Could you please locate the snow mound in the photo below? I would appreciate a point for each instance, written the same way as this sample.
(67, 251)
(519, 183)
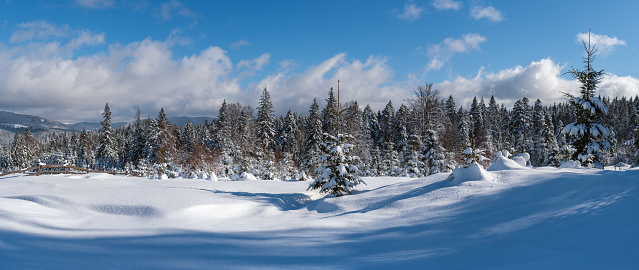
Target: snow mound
(502, 163)
(522, 159)
(474, 172)
(570, 164)
(243, 177)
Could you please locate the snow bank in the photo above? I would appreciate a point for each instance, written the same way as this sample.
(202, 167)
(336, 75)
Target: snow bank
(245, 176)
(570, 164)
(474, 172)
(570, 219)
(503, 163)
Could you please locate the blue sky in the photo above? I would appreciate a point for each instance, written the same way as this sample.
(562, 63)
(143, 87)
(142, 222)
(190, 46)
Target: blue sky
(64, 59)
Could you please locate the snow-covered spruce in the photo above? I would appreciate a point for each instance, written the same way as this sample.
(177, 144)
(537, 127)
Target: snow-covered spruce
(589, 138)
(338, 173)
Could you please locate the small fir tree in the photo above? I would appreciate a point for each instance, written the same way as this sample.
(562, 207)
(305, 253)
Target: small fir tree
(589, 138)
(338, 175)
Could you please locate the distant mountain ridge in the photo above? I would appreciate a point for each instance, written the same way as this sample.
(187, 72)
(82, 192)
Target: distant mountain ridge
(15, 122)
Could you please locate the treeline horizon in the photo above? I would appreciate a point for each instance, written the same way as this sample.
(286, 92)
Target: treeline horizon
(425, 134)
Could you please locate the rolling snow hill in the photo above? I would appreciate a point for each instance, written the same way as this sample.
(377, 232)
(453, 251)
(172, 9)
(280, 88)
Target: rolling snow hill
(514, 218)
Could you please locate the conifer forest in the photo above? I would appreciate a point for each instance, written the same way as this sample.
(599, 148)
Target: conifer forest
(423, 135)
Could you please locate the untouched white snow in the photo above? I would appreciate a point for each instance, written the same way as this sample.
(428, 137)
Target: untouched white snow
(542, 218)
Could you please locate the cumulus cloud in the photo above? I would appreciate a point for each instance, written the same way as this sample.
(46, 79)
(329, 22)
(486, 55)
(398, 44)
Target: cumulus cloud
(141, 74)
(441, 53)
(94, 3)
(490, 13)
(447, 4)
(411, 12)
(605, 44)
(368, 82)
(541, 79)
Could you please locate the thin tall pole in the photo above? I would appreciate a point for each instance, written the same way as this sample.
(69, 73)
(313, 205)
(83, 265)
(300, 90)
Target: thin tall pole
(338, 107)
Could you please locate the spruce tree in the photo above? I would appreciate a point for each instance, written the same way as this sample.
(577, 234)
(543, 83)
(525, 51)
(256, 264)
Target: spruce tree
(329, 114)
(338, 175)
(588, 136)
(265, 125)
(634, 142)
(434, 159)
(106, 154)
(520, 126)
(313, 139)
(164, 140)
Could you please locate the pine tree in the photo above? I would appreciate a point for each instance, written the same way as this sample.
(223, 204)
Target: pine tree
(413, 156)
(338, 175)
(463, 129)
(520, 126)
(634, 142)
(313, 138)
(265, 124)
(164, 140)
(19, 155)
(588, 137)
(538, 153)
(552, 152)
(137, 143)
(390, 165)
(386, 123)
(434, 159)
(329, 114)
(106, 154)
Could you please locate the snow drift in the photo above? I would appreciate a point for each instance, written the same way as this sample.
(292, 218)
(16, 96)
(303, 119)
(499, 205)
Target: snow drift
(543, 218)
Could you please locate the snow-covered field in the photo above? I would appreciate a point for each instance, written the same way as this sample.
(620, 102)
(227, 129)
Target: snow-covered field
(515, 219)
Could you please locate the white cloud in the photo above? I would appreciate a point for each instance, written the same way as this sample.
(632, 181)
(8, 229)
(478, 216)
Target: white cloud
(249, 67)
(447, 4)
(540, 79)
(87, 38)
(37, 30)
(141, 74)
(167, 10)
(95, 3)
(615, 86)
(368, 82)
(411, 12)
(239, 44)
(605, 44)
(441, 53)
(490, 13)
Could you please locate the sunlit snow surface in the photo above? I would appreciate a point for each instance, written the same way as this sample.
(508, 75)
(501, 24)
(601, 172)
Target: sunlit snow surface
(515, 219)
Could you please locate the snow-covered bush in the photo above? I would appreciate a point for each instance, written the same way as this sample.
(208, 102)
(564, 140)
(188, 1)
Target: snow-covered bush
(338, 173)
(473, 156)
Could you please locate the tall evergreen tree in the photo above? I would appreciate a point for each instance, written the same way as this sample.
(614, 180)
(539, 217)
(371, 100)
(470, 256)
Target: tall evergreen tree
(106, 154)
(329, 114)
(164, 139)
(265, 124)
(313, 138)
(588, 136)
(520, 126)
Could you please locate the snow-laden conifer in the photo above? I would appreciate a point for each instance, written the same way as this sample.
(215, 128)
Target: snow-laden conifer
(313, 139)
(106, 155)
(338, 173)
(587, 135)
